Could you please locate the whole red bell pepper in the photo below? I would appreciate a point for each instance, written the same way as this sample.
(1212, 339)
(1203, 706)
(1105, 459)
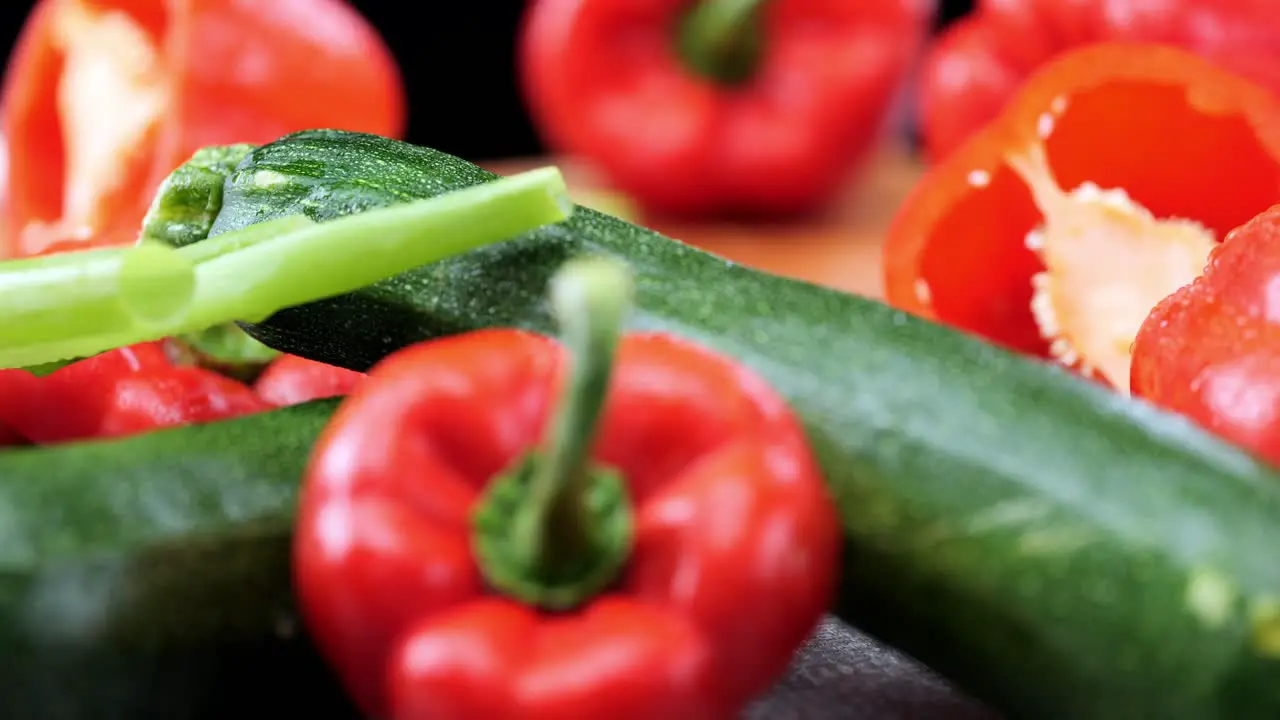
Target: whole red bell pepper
(656, 553)
(291, 380)
(120, 392)
(1100, 190)
(103, 98)
(755, 106)
(11, 438)
(978, 63)
(1211, 350)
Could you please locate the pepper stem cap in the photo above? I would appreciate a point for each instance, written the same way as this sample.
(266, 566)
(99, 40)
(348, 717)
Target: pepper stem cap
(558, 528)
(723, 40)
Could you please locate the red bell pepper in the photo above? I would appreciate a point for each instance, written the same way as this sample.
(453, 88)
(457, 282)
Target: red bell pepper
(103, 98)
(10, 438)
(1162, 154)
(1211, 350)
(978, 63)
(178, 396)
(719, 105)
(291, 380)
(657, 554)
(120, 392)
(70, 402)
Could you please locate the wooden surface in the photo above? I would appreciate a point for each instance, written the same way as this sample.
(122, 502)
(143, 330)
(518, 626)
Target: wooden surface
(841, 248)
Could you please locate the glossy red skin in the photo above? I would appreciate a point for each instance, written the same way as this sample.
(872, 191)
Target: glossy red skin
(734, 563)
(978, 63)
(120, 392)
(1211, 351)
(1181, 136)
(291, 380)
(304, 54)
(11, 438)
(182, 395)
(70, 402)
(603, 81)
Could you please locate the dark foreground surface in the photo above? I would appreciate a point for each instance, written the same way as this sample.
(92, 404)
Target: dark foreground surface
(845, 675)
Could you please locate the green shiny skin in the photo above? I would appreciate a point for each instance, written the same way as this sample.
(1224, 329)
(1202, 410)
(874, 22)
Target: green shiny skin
(148, 578)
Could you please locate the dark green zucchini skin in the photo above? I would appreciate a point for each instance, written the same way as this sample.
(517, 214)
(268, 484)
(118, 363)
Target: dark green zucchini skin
(1053, 548)
(148, 578)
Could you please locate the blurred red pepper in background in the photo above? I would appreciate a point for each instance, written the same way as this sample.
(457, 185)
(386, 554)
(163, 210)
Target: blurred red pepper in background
(1100, 189)
(103, 98)
(719, 105)
(291, 380)
(70, 402)
(979, 62)
(120, 392)
(180, 395)
(1212, 349)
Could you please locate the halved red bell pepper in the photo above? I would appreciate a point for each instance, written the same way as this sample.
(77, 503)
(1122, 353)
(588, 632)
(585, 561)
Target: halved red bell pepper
(1162, 154)
(719, 105)
(103, 98)
(659, 552)
(1211, 350)
(291, 380)
(978, 63)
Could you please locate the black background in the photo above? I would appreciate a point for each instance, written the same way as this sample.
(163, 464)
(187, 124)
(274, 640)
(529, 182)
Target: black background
(457, 61)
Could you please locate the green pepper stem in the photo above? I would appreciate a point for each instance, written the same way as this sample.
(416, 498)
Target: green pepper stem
(225, 348)
(723, 39)
(590, 299)
(251, 273)
(558, 529)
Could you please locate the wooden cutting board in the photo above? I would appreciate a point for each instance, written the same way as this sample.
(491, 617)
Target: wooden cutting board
(840, 248)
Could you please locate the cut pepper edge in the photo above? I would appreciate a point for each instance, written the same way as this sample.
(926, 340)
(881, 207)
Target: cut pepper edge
(1209, 87)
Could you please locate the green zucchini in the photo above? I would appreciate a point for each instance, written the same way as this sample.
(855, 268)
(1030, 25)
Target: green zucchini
(148, 578)
(1051, 547)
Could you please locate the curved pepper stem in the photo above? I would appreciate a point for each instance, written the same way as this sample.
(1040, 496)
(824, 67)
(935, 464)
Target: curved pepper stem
(558, 529)
(723, 39)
